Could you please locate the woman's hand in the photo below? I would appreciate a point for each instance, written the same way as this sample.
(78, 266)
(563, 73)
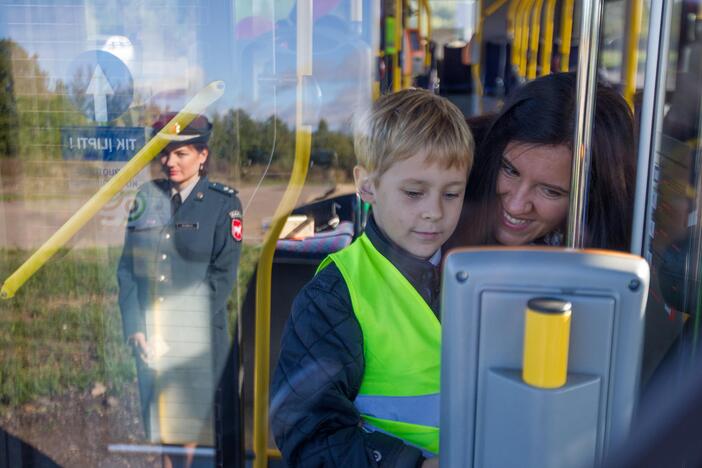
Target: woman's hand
(431, 463)
(138, 341)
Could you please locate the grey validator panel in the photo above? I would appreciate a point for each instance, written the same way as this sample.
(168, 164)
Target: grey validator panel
(489, 416)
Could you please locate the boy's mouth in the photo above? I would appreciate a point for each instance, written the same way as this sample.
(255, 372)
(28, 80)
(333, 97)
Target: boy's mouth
(427, 235)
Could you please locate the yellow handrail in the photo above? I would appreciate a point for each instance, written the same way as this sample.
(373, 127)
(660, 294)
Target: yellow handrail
(196, 106)
(478, 46)
(511, 18)
(424, 26)
(517, 35)
(524, 46)
(632, 51)
(303, 145)
(546, 54)
(566, 33)
(534, 40)
(396, 71)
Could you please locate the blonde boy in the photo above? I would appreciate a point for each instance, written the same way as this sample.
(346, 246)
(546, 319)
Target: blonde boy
(357, 383)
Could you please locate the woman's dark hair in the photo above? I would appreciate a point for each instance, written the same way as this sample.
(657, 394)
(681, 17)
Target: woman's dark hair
(542, 112)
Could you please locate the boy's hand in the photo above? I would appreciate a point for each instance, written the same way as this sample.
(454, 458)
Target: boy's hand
(431, 463)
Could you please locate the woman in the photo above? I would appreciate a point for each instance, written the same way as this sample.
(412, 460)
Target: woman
(520, 185)
(177, 269)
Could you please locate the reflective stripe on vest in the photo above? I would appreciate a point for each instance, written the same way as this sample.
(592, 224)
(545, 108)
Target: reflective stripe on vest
(421, 410)
(399, 393)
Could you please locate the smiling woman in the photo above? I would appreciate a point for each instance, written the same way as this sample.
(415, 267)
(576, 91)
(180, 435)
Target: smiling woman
(518, 191)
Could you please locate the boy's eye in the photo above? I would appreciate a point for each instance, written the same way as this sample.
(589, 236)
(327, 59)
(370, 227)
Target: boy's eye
(413, 193)
(509, 169)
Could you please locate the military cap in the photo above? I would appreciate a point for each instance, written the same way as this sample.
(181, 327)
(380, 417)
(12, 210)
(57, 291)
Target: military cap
(197, 131)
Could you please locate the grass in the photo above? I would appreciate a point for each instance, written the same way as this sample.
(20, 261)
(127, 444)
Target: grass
(63, 331)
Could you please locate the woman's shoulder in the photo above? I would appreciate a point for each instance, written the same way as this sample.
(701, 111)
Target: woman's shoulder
(221, 189)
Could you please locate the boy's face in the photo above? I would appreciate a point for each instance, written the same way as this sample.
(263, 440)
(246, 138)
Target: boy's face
(415, 204)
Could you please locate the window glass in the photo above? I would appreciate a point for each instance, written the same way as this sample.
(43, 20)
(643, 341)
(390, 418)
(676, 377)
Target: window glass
(673, 233)
(86, 84)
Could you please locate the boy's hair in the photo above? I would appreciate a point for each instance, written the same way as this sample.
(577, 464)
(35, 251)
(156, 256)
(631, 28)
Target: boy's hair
(400, 125)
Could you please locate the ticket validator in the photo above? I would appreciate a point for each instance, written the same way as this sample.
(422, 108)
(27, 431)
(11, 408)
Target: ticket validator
(541, 355)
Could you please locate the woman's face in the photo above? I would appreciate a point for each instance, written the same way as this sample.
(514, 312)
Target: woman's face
(533, 186)
(182, 164)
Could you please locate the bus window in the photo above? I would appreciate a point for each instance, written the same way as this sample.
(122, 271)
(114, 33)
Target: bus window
(85, 87)
(672, 232)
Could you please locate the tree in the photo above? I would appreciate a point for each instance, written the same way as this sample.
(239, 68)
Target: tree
(9, 121)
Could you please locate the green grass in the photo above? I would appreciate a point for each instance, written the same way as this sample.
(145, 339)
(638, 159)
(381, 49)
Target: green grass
(62, 331)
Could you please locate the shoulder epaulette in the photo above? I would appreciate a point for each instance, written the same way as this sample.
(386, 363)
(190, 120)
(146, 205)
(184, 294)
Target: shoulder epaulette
(223, 189)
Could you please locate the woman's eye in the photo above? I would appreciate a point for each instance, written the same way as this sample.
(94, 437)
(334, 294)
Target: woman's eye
(451, 195)
(550, 193)
(509, 170)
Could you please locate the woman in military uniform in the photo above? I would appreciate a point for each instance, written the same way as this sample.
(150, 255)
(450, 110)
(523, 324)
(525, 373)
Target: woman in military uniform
(177, 269)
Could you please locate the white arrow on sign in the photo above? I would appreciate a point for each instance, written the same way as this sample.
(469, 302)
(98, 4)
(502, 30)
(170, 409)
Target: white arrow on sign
(100, 88)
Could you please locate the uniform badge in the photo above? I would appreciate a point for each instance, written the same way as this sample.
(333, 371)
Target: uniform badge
(137, 207)
(237, 225)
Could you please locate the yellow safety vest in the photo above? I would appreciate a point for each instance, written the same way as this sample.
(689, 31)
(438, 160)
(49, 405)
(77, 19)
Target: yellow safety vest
(399, 394)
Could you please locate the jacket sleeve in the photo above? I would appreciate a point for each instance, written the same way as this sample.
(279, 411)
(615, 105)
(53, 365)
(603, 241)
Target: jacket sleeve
(318, 375)
(132, 317)
(225, 256)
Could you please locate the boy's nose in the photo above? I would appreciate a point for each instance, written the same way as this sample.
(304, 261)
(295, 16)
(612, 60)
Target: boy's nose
(432, 209)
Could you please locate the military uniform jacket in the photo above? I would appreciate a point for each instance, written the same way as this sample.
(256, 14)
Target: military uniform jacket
(175, 276)
(193, 251)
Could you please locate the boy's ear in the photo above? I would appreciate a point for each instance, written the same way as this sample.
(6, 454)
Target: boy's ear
(364, 184)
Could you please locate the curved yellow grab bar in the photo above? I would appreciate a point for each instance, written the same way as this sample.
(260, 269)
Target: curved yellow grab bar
(196, 106)
(303, 146)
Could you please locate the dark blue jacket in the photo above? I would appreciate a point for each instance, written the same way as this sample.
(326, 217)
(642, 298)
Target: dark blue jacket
(320, 370)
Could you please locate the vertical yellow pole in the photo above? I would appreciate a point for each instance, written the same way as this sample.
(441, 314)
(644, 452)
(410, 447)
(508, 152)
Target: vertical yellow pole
(524, 46)
(518, 32)
(478, 46)
(303, 144)
(534, 40)
(396, 71)
(546, 54)
(566, 33)
(632, 50)
(511, 19)
(428, 9)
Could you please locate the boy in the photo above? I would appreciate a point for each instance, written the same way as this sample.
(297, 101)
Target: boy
(358, 377)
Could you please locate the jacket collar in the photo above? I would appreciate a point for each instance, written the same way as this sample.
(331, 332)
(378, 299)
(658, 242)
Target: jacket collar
(422, 274)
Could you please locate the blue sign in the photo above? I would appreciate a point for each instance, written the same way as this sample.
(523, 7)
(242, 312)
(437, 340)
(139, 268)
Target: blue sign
(101, 143)
(100, 85)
